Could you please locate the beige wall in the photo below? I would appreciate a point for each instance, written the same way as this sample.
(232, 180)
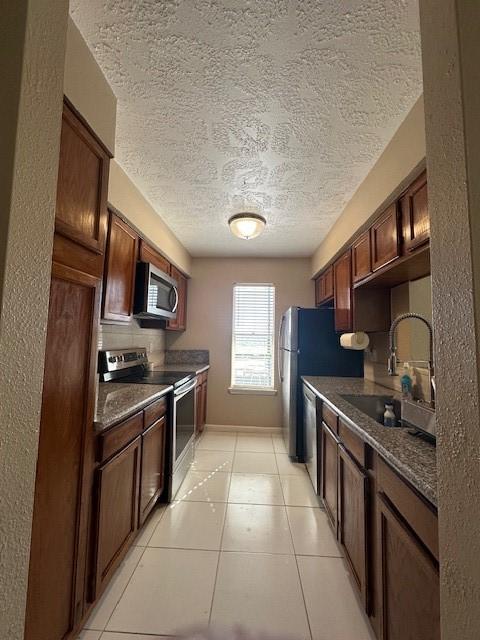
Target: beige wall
(86, 87)
(125, 196)
(30, 135)
(451, 51)
(209, 326)
(400, 159)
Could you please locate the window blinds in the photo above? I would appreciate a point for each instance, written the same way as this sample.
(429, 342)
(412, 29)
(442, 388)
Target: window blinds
(253, 335)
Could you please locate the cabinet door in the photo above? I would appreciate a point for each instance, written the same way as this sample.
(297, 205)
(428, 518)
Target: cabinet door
(198, 409)
(352, 513)
(81, 209)
(204, 402)
(153, 467)
(328, 286)
(415, 216)
(343, 293)
(329, 474)
(410, 590)
(148, 254)
(120, 267)
(117, 488)
(319, 283)
(361, 257)
(385, 238)
(179, 323)
(65, 457)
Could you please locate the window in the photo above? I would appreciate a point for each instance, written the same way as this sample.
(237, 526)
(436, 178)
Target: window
(252, 337)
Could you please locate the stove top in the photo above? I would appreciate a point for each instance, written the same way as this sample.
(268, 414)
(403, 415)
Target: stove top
(130, 365)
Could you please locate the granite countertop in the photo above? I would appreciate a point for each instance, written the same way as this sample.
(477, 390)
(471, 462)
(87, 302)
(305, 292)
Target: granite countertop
(413, 458)
(196, 367)
(118, 400)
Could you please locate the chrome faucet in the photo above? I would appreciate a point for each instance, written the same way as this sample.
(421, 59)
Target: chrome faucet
(392, 359)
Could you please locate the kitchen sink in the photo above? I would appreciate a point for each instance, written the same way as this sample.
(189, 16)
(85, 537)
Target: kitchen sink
(374, 406)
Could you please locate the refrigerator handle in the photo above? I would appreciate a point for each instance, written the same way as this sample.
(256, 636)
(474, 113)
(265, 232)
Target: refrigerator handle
(279, 349)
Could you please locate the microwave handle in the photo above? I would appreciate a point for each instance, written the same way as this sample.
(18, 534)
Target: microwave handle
(175, 291)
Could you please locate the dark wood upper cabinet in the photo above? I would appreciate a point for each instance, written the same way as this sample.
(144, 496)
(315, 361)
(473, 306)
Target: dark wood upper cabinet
(385, 238)
(319, 290)
(180, 322)
(120, 265)
(81, 210)
(116, 517)
(58, 551)
(329, 474)
(148, 254)
(328, 284)
(343, 293)
(352, 518)
(361, 257)
(415, 216)
(153, 467)
(409, 581)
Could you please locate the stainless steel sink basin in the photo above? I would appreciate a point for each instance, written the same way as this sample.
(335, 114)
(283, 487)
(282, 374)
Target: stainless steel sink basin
(374, 406)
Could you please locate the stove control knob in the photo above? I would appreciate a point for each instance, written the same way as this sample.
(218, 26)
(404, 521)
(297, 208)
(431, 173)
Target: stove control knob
(112, 359)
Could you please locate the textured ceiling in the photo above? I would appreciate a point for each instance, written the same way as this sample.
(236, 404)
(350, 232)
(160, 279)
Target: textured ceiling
(275, 106)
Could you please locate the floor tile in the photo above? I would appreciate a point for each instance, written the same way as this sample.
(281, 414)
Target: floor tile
(217, 441)
(259, 444)
(298, 492)
(260, 593)
(206, 460)
(107, 603)
(112, 635)
(89, 634)
(149, 527)
(257, 528)
(170, 590)
(288, 468)
(191, 525)
(279, 444)
(333, 610)
(311, 532)
(205, 486)
(254, 462)
(254, 488)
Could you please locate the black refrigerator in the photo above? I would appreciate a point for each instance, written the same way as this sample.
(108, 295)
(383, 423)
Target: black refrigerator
(308, 346)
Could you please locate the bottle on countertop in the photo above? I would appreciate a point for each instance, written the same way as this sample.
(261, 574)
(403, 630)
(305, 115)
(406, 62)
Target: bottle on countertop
(389, 419)
(406, 382)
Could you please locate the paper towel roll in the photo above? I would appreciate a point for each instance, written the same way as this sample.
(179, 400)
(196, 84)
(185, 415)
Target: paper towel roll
(358, 340)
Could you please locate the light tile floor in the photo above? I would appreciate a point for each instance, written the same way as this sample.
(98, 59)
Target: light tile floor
(245, 543)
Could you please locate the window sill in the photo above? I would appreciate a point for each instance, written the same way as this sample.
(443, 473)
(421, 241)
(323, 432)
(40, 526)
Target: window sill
(252, 391)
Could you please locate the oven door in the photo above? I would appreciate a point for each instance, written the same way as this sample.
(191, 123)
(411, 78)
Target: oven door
(183, 420)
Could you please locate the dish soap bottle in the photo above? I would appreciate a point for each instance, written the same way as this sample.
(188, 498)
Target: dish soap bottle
(406, 381)
(389, 419)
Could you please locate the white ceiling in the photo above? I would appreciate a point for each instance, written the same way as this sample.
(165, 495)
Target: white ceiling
(275, 106)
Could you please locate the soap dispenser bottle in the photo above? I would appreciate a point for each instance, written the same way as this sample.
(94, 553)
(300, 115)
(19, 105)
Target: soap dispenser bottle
(389, 418)
(406, 382)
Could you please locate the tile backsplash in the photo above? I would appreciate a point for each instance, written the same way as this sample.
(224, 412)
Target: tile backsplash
(112, 336)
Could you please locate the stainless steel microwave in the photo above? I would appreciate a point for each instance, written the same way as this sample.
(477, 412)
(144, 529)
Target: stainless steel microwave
(156, 293)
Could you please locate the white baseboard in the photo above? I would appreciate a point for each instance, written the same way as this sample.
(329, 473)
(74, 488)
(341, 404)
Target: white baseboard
(243, 429)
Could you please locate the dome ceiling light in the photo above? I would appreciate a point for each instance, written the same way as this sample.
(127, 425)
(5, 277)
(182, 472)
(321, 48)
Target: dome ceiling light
(247, 225)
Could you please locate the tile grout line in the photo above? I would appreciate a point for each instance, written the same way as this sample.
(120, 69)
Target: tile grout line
(298, 573)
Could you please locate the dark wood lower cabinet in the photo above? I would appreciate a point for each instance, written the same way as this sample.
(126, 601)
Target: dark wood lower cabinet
(410, 591)
(153, 467)
(329, 474)
(201, 402)
(352, 518)
(116, 521)
(65, 458)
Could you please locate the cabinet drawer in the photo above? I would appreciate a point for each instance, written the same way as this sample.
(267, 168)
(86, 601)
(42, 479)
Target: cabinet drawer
(353, 443)
(202, 377)
(420, 516)
(330, 417)
(154, 411)
(119, 436)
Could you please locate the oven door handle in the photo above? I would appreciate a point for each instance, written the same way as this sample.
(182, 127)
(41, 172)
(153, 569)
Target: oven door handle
(178, 393)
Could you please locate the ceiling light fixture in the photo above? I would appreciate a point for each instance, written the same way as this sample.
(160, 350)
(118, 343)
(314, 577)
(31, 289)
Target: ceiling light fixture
(247, 225)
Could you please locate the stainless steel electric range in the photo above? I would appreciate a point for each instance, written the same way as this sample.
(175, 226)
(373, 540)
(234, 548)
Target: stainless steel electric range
(131, 366)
